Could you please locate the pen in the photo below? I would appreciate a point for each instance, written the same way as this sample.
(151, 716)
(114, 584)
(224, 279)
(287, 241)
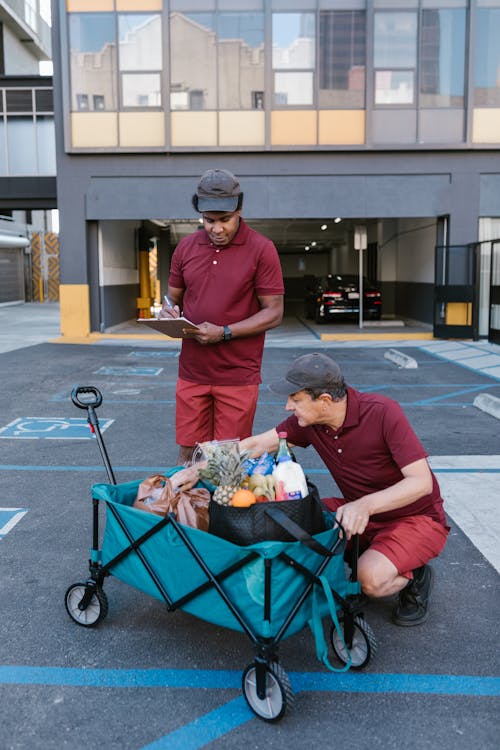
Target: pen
(169, 304)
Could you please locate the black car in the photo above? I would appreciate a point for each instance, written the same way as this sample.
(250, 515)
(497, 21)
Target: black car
(337, 295)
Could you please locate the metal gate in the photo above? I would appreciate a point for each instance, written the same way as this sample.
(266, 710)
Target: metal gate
(455, 303)
(45, 266)
(494, 319)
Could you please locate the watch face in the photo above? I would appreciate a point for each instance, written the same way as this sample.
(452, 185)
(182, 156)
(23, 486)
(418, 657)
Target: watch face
(227, 333)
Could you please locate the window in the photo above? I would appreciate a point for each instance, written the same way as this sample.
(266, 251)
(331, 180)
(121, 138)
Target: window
(31, 14)
(240, 49)
(442, 58)
(82, 102)
(141, 90)
(93, 59)
(140, 54)
(342, 59)
(293, 57)
(395, 58)
(21, 146)
(98, 101)
(193, 61)
(487, 62)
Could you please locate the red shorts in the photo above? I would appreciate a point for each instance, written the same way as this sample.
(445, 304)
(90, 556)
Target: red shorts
(213, 412)
(407, 542)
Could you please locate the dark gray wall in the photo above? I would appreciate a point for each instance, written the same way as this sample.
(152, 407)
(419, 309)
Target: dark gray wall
(414, 301)
(119, 304)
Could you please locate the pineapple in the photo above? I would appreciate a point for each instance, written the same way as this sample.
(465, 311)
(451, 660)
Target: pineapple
(224, 469)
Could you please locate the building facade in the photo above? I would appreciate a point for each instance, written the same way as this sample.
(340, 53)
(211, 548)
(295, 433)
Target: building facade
(27, 153)
(334, 114)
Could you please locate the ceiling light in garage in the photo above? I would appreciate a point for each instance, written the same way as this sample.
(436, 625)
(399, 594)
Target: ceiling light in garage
(337, 220)
(323, 227)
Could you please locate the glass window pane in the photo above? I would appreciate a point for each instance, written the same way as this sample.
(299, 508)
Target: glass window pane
(293, 89)
(395, 42)
(3, 160)
(140, 42)
(241, 60)
(293, 40)
(394, 87)
(19, 100)
(141, 90)
(487, 63)
(92, 59)
(442, 58)
(193, 61)
(21, 146)
(46, 145)
(342, 53)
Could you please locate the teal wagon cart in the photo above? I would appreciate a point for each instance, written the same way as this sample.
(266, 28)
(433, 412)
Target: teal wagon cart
(269, 590)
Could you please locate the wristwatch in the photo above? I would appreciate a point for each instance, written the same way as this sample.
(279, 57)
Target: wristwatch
(227, 334)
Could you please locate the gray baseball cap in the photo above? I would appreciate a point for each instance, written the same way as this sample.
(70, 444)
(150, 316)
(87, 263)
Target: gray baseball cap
(309, 371)
(218, 190)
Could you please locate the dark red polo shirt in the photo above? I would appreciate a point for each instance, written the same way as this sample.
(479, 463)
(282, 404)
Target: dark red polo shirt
(221, 285)
(368, 452)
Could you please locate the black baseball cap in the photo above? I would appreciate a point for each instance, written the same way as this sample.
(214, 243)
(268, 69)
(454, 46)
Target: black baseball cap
(218, 190)
(309, 371)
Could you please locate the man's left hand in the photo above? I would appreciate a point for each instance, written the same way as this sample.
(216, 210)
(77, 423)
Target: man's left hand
(208, 334)
(354, 517)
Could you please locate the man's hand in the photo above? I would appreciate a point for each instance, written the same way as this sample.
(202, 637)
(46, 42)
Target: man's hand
(353, 516)
(209, 333)
(167, 311)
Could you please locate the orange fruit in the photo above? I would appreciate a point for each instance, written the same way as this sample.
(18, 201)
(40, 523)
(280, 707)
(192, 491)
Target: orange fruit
(243, 498)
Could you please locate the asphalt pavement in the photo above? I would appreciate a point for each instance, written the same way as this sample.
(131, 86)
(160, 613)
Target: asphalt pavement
(149, 678)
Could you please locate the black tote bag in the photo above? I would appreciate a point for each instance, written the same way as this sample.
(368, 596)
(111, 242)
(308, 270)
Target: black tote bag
(244, 526)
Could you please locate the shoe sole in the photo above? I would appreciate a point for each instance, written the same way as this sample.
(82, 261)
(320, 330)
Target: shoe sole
(421, 620)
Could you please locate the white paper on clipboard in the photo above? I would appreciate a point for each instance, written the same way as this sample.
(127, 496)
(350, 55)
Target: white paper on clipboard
(177, 328)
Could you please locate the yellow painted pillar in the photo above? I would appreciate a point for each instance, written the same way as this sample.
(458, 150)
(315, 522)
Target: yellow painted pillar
(74, 308)
(145, 301)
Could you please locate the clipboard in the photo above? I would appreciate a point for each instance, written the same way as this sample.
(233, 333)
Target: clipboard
(177, 328)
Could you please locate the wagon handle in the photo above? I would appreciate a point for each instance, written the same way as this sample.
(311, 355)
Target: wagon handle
(80, 389)
(90, 404)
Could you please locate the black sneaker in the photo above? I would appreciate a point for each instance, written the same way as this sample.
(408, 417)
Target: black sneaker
(414, 599)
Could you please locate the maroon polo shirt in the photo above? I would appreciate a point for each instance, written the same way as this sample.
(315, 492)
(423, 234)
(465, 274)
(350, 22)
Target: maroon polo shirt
(221, 285)
(368, 452)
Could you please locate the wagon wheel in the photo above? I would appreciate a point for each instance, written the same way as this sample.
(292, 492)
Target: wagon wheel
(364, 643)
(95, 610)
(279, 696)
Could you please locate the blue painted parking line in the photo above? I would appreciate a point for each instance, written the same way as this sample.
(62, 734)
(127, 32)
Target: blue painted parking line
(8, 519)
(155, 469)
(153, 354)
(51, 428)
(141, 371)
(205, 729)
(63, 397)
(216, 723)
(224, 679)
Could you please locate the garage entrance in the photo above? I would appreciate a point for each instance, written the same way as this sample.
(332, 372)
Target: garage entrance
(494, 318)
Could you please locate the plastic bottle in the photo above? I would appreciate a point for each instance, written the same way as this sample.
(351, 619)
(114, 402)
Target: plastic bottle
(290, 480)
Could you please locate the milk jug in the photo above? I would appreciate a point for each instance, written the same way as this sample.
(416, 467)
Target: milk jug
(289, 478)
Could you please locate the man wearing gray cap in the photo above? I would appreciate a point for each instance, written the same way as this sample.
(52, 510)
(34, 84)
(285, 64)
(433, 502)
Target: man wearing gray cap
(227, 279)
(390, 496)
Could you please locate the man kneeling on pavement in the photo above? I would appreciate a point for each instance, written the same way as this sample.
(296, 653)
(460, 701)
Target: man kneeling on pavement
(391, 498)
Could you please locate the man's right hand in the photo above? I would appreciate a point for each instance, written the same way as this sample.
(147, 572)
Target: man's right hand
(169, 312)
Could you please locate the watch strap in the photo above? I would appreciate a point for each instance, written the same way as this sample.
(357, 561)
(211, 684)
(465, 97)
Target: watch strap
(227, 334)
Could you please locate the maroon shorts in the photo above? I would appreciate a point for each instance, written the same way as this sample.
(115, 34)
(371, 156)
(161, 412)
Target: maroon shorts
(213, 412)
(407, 542)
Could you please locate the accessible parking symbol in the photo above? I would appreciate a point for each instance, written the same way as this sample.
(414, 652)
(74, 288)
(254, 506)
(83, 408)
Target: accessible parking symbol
(51, 428)
(8, 519)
